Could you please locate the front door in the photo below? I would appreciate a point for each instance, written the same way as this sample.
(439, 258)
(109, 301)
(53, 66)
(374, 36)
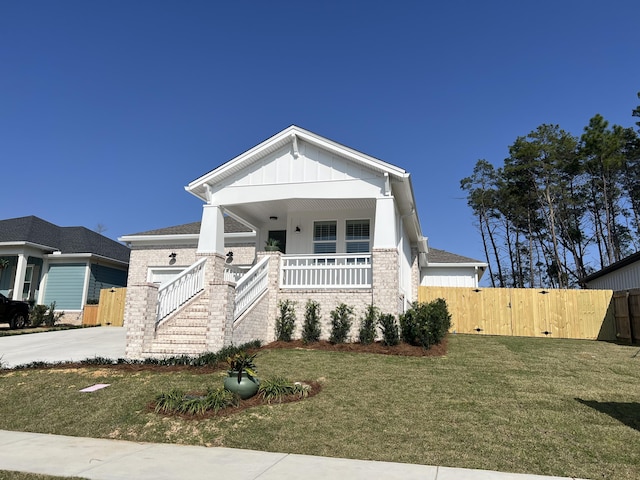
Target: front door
(281, 237)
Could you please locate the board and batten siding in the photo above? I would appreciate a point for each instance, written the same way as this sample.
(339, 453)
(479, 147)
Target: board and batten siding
(65, 285)
(103, 277)
(624, 278)
(448, 277)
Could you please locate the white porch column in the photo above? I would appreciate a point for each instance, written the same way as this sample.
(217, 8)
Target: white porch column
(211, 230)
(21, 270)
(385, 235)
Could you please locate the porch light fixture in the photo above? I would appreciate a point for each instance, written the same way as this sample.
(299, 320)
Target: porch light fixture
(230, 254)
(298, 229)
(273, 218)
(173, 255)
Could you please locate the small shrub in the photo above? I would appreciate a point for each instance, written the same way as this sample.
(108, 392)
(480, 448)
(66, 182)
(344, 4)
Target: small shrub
(389, 328)
(286, 322)
(169, 402)
(176, 401)
(51, 318)
(219, 398)
(41, 314)
(367, 331)
(37, 314)
(277, 388)
(311, 326)
(425, 324)
(341, 320)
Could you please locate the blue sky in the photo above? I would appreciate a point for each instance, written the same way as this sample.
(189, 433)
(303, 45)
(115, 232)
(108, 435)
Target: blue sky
(109, 108)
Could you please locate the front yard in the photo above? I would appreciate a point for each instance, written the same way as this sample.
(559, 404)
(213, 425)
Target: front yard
(542, 406)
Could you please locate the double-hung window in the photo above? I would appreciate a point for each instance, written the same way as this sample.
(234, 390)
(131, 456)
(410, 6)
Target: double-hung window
(324, 237)
(357, 236)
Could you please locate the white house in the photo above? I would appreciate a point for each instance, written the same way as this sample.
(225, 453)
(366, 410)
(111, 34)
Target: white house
(621, 275)
(347, 229)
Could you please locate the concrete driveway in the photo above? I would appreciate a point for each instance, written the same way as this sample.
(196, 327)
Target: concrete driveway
(62, 346)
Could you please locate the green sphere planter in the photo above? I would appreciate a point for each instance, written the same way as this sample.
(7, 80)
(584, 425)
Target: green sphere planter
(247, 387)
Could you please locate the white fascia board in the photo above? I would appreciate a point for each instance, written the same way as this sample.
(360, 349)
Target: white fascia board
(450, 265)
(240, 235)
(27, 244)
(172, 240)
(53, 257)
(284, 137)
(159, 239)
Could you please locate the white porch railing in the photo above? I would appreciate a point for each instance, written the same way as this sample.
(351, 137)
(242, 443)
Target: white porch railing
(251, 286)
(326, 271)
(233, 273)
(176, 292)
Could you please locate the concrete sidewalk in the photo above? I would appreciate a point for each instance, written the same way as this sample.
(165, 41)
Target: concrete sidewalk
(101, 459)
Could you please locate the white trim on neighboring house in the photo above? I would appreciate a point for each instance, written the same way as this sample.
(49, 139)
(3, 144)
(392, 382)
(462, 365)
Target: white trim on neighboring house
(180, 239)
(472, 271)
(149, 240)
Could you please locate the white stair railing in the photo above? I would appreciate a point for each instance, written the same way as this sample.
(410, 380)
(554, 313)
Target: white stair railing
(251, 286)
(233, 273)
(176, 292)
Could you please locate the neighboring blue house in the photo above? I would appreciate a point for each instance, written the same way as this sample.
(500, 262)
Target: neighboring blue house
(46, 263)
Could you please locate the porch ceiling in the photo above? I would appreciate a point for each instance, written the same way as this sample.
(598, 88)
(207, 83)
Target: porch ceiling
(258, 213)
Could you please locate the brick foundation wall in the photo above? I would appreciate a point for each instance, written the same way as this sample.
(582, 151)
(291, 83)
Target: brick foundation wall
(140, 318)
(253, 323)
(386, 288)
(328, 300)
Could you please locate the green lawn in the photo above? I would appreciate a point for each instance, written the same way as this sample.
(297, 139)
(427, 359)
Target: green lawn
(541, 406)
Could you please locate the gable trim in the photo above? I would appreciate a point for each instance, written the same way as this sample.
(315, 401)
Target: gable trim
(290, 135)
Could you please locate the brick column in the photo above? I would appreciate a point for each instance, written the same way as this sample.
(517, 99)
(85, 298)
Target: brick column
(221, 303)
(386, 288)
(140, 318)
(273, 288)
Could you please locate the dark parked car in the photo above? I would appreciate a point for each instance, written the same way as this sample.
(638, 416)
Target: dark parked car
(13, 312)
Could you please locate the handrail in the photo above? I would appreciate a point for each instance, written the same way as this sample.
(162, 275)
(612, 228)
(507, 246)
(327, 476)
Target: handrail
(352, 270)
(176, 292)
(251, 286)
(233, 273)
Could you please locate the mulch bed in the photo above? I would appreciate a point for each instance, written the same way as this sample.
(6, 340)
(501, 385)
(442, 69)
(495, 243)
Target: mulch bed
(404, 349)
(254, 401)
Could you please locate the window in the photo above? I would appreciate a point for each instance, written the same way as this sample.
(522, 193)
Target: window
(357, 236)
(28, 279)
(324, 237)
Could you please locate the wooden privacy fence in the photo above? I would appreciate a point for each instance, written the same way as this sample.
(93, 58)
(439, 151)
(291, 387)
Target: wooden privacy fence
(526, 312)
(110, 310)
(627, 315)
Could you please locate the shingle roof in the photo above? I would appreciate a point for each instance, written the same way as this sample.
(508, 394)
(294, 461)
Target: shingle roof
(441, 256)
(65, 239)
(231, 225)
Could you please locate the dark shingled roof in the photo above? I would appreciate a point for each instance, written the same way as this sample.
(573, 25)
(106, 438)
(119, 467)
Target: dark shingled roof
(231, 225)
(65, 239)
(440, 256)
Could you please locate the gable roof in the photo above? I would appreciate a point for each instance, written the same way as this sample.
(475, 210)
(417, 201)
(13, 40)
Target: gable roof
(290, 134)
(50, 237)
(231, 225)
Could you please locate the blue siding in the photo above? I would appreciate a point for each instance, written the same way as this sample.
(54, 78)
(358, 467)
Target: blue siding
(104, 277)
(65, 284)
